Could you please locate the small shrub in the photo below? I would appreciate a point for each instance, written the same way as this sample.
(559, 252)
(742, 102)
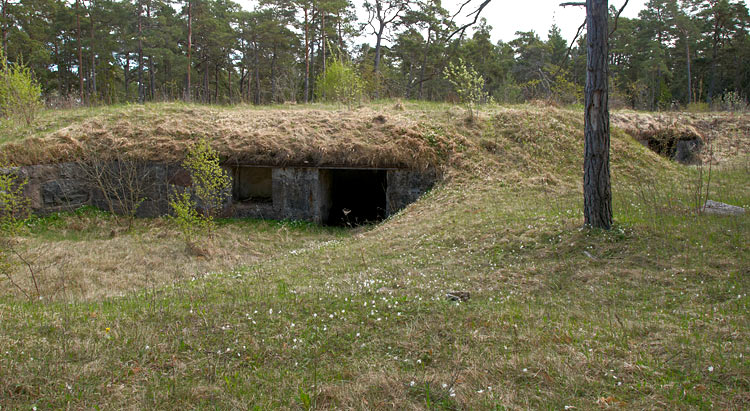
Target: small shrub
(731, 101)
(467, 83)
(340, 83)
(186, 217)
(195, 209)
(20, 94)
(14, 213)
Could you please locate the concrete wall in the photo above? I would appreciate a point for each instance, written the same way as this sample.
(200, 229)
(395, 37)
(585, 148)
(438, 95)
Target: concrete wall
(406, 186)
(298, 193)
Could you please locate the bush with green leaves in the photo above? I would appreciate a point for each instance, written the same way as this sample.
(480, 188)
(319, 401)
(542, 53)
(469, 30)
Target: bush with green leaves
(186, 217)
(467, 83)
(195, 208)
(14, 212)
(341, 83)
(20, 93)
(731, 101)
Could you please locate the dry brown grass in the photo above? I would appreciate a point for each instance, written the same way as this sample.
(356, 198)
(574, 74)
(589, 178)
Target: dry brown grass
(301, 137)
(93, 258)
(401, 134)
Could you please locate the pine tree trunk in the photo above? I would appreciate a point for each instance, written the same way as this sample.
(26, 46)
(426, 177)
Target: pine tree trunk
(80, 53)
(597, 195)
(307, 59)
(93, 54)
(273, 76)
(126, 72)
(256, 68)
(424, 62)
(689, 75)
(216, 81)
(151, 74)
(323, 39)
(141, 89)
(190, 49)
(5, 29)
(378, 41)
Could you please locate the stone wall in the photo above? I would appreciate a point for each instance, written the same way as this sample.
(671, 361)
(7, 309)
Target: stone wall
(298, 193)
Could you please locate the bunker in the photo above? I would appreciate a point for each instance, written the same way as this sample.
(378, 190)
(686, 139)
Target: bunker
(345, 196)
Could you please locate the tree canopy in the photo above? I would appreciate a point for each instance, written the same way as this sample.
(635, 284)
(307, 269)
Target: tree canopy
(110, 51)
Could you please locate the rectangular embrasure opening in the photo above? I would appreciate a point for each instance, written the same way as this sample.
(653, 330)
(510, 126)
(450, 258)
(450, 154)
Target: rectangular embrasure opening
(252, 185)
(357, 196)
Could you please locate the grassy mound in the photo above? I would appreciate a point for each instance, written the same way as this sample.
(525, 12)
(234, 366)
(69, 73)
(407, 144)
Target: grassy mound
(651, 314)
(299, 137)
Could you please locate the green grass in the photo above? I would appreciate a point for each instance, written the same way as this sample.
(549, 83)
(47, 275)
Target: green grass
(652, 314)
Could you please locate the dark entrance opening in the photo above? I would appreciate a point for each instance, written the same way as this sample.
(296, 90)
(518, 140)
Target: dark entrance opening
(357, 196)
(252, 185)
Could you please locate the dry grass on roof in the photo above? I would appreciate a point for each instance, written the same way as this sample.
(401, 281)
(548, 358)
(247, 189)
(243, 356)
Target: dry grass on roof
(382, 134)
(300, 137)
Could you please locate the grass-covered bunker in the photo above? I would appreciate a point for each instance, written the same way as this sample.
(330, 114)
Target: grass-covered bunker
(327, 167)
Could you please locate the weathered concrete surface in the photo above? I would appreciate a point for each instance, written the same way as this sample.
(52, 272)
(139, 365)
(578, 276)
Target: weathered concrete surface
(406, 186)
(296, 193)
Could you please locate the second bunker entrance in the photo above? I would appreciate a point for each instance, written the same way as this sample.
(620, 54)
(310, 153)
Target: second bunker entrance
(356, 196)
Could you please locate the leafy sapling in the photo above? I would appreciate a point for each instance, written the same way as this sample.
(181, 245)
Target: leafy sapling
(195, 208)
(467, 83)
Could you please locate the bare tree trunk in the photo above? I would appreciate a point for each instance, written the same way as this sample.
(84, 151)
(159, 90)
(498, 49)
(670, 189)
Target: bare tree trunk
(242, 82)
(80, 52)
(151, 74)
(689, 75)
(273, 75)
(125, 72)
(141, 89)
(216, 81)
(93, 53)
(313, 36)
(206, 90)
(229, 75)
(424, 62)
(323, 38)
(257, 75)
(597, 194)
(307, 58)
(378, 47)
(5, 28)
(190, 48)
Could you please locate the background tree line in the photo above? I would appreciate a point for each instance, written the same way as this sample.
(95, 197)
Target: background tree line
(212, 51)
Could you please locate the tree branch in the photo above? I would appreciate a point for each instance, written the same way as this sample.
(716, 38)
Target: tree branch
(475, 13)
(567, 53)
(573, 3)
(618, 16)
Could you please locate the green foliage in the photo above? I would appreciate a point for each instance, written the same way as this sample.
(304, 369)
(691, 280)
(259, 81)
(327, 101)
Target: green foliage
(13, 216)
(20, 93)
(187, 219)
(565, 91)
(340, 83)
(13, 203)
(467, 83)
(731, 101)
(196, 209)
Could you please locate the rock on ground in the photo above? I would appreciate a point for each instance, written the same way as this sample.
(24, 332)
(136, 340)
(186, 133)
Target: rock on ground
(715, 207)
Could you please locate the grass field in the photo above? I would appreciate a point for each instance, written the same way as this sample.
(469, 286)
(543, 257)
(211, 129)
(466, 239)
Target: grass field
(652, 314)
